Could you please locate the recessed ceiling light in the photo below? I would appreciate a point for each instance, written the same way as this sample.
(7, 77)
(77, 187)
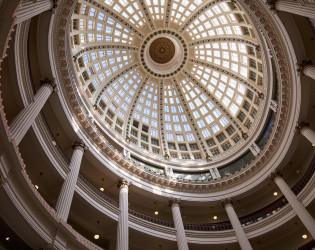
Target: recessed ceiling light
(156, 212)
(215, 217)
(275, 193)
(304, 236)
(96, 236)
(36, 186)
(7, 238)
(54, 143)
(102, 189)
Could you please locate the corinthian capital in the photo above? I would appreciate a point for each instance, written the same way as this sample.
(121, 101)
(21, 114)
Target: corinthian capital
(49, 82)
(173, 201)
(123, 183)
(299, 127)
(79, 145)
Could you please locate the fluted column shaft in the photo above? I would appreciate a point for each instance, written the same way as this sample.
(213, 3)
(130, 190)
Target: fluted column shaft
(122, 229)
(68, 187)
(295, 7)
(179, 227)
(297, 206)
(237, 227)
(309, 70)
(30, 9)
(24, 120)
(309, 134)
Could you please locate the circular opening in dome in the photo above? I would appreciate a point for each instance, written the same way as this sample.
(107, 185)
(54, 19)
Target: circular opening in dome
(162, 50)
(163, 53)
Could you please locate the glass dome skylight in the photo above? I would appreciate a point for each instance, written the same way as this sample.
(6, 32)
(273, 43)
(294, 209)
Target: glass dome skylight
(202, 102)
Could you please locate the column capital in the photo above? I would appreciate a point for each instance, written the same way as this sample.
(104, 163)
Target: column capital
(275, 174)
(79, 145)
(173, 201)
(49, 82)
(299, 127)
(123, 183)
(301, 66)
(227, 202)
(272, 5)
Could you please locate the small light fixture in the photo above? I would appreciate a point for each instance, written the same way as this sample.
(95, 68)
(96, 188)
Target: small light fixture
(166, 157)
(313, 144)
(215, 217)
(304, 236)
(7, 238)
(275, 193)
(156, 211)
(101, 188)
(37, 182)
(127, 139)
(97, 236)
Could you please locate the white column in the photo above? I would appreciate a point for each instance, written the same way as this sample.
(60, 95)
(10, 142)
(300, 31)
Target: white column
(237, 227)
(24, 120)
(215, 173)
(168, 172)
(179, 226)
(68, 187)
(294, 7)
(303, 129)
(306, 68)
(297, 206)
(122, 229)
(27, 10)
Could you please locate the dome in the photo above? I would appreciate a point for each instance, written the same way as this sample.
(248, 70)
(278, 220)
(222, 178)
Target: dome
(182, 83)
(157, 124)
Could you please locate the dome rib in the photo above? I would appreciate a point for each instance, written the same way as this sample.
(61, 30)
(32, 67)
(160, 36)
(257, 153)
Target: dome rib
(133, 105)
(112, 80)
(165, 148)
(224, 39)
(147, 14)
(190, 118)
(197, 13)
(102, 47)
(167, 13)
(215, 100)
(236, 77)
(115, 16)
